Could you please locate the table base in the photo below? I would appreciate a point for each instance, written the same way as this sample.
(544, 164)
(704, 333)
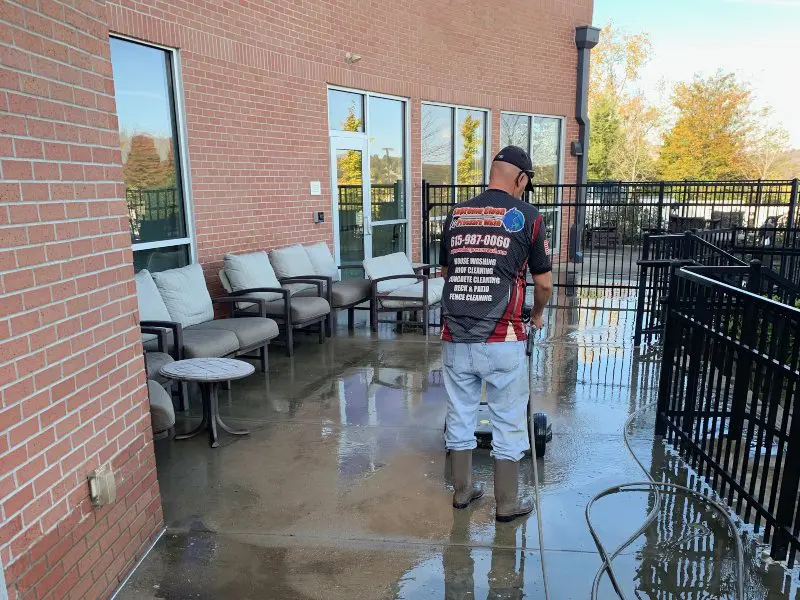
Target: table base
(211, 419)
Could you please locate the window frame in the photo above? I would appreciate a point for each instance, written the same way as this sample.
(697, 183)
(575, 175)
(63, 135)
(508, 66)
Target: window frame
(182, 142)
(561, 141)
(487, 150)
(364, 135)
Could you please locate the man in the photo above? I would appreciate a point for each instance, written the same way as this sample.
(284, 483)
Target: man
(488, 245)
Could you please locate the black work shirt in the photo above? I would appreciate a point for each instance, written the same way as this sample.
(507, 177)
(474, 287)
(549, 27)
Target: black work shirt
(488, 244)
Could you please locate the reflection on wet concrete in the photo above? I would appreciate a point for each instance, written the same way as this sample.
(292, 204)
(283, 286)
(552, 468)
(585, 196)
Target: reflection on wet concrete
(342, 488)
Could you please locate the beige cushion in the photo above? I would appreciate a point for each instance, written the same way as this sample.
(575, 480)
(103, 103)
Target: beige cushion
(185, 294)
(386, 266)
(245, 271)
(291, 261)
(322, 260)
(249, 331)
(202, 343)
(151, 305)
(350, 291)
(435, 289)
(162, 414)
(303, 308)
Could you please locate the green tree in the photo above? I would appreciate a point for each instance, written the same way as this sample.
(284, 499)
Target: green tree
(349, 163)
(469, 168)
(768, 155)
(606, 136)
(709, 138)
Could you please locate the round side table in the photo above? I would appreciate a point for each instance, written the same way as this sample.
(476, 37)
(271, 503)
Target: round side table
(209, 373)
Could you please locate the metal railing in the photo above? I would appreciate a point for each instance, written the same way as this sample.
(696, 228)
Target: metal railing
(155, 214)
(728, 387)
(597, 231)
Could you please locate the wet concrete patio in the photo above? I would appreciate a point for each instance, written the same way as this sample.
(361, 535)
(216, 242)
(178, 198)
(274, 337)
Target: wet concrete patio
(341, 490)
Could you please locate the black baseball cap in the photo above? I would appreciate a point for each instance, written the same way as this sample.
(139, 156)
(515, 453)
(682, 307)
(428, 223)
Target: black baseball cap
(519, 158)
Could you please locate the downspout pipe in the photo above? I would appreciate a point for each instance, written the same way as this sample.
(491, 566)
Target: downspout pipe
(586, 38)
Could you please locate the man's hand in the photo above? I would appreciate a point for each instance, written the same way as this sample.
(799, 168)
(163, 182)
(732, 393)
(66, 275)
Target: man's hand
(537, 322)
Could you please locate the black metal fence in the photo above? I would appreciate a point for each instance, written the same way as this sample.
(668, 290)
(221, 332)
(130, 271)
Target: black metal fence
(155, 214)
(727, 394)
(597, 231)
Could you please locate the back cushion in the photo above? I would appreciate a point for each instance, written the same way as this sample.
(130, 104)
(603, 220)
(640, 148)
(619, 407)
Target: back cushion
(245, 271)
(185, 294)
(321, 259)
(385, 266)
(291, 261)
(151, 305)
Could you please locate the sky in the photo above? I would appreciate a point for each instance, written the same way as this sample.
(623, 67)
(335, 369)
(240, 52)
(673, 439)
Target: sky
(759, 40)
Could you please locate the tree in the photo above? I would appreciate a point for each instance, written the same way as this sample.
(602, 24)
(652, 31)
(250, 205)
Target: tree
(349, 163)
(470, 171)
(709, 138)
(143, 168)
(623, 124)
(768, 148)
(606, 136)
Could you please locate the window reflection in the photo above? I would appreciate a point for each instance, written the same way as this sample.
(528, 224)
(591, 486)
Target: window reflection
(143, 87)
(546, 149)
(386, 160)
(471, 147)
(437, 144)
(515, 130)
(345, 111)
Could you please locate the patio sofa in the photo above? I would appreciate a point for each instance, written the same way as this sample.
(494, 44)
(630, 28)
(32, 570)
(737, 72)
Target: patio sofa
(295, 303)
(159, 389)
(316, 262)
(398, 286)
(178, 300)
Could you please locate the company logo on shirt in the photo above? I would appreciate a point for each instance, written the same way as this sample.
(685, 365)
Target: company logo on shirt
(489, 216)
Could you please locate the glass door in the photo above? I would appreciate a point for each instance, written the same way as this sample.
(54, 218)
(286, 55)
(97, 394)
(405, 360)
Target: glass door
(351, 190)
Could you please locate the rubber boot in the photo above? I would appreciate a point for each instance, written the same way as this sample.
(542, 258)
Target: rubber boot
(461, 467)
(506, 490)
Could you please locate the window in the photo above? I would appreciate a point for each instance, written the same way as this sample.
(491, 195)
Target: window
(541, 137)
(151, 155)
(453, 145)
(345, 111)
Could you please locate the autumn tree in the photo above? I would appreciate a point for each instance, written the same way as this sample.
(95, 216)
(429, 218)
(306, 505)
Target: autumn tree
(709, 138)
(469, 167)
(622, 122)
(349, 163)
(142, 170)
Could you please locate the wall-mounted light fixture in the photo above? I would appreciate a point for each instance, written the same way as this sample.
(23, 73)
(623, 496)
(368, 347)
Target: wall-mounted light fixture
(351, 58)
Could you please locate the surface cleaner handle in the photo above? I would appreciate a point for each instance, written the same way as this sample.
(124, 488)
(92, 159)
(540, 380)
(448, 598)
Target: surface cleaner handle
(529, 343)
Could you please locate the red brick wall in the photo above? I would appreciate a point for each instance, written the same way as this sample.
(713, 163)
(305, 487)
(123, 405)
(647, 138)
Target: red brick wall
(255, 75)
(72, 394)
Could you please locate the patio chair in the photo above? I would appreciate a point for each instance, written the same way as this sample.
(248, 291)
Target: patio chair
(315, 262)
(252, 275)
(159, 388)
(398, 286)
(177, 300)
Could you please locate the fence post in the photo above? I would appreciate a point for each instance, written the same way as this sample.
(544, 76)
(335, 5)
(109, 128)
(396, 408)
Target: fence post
(744, 360)
(686, 245)
(426, 224)
(637, 335)
(787, 496)
(661, 207)
(695, 352)
(792, 204)
(668, 353)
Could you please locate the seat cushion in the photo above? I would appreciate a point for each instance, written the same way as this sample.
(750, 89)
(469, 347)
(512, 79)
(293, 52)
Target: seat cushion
(322, 260)
(303, 308)
(151, 305)
(386, 266)
(162, 414)
(350, 291)
(153, 361)
(208, 343)
(291, 261)
(246, 271)
(185, 294)
(249, 331)
(435, 289)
